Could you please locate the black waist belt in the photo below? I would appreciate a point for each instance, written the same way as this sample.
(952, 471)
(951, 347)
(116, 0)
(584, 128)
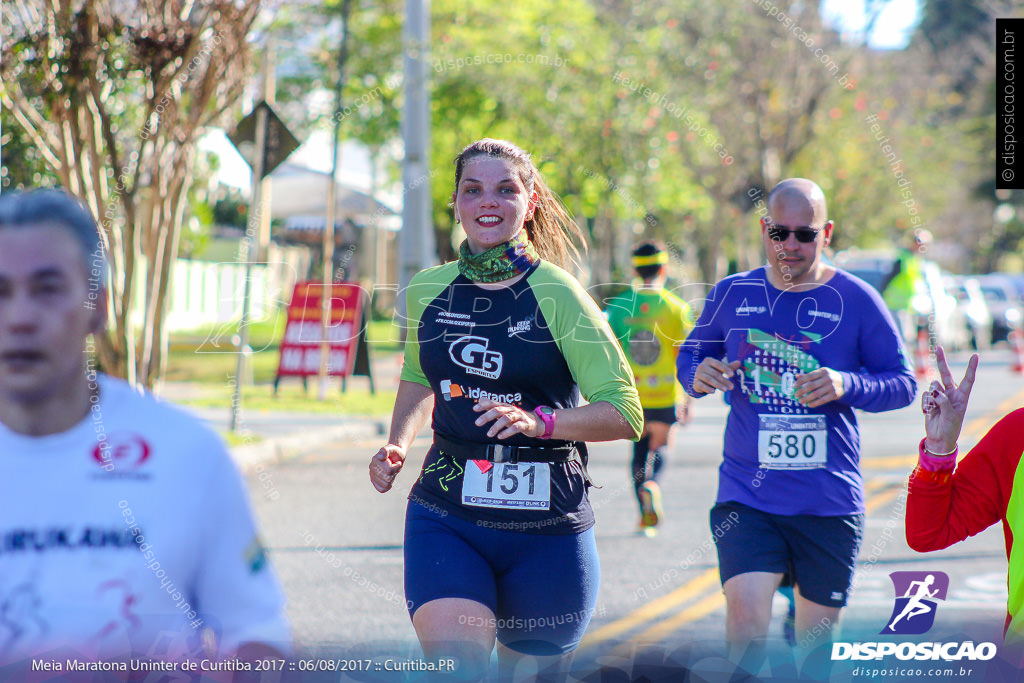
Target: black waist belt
(499, 452)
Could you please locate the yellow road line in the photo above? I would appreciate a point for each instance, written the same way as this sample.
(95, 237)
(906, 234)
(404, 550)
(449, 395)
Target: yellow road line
(651, 610)
(694, 612)
(1012, 403)
(881, 499)
(873, 484)
(708, 604)
(980, 425)
(975, 428)
(717, 599)
(889, 462)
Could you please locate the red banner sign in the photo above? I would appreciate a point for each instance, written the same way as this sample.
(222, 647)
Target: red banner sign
(300, 348)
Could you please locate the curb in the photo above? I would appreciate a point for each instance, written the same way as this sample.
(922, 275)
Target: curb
(275, 450)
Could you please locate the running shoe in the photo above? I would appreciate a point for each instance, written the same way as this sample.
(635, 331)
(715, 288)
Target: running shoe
(650, 504)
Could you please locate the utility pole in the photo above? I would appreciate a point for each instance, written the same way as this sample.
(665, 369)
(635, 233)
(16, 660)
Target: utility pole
(418, 248)
(271, 142)
(332, 198)
(270, 97)
(251, 230)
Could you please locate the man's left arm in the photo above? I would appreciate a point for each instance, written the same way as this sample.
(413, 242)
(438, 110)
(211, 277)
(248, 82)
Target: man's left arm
(885, 381)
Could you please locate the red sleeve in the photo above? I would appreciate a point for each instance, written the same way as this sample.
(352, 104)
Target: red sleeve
(943, 509)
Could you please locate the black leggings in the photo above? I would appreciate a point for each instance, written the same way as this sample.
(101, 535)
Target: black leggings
(646, 465)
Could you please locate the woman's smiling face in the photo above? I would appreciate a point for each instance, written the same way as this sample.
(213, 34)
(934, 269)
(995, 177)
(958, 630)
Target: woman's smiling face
(492, 202)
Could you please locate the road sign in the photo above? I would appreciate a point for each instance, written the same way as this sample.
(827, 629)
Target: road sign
(280, 141)
(346, 332)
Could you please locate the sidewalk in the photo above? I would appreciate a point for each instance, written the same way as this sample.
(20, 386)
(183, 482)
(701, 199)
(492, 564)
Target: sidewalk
(278, 436)
(271, 437)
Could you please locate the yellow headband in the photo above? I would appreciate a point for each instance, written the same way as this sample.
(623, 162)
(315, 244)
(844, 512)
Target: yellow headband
(659, 259)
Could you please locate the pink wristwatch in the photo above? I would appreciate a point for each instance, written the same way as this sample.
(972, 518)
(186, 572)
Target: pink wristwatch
(547, 416)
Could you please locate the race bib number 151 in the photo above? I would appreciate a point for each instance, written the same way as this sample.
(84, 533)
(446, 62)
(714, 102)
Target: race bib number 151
(525, 485)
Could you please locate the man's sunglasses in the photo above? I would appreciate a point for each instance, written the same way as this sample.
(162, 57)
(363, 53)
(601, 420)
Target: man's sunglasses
(779, 233)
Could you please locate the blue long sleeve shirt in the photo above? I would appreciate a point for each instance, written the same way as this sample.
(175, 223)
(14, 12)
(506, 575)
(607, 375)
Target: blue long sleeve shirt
(780, 456)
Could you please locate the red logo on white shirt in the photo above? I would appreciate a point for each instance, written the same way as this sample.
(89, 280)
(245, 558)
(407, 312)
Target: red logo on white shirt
(122, 451)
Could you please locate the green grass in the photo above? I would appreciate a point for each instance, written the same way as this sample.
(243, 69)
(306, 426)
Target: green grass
(263, 334)
(215, 373)
(384, 335)
(291, 398)
(232, 439)
(198, 358)
(219, 250)
(189, 364)
(205, 355)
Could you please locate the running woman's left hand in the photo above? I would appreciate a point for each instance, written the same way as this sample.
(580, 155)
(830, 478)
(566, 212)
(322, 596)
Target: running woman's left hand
(508, 419)
(819, 387)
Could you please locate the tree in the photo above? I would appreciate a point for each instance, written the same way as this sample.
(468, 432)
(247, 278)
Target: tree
(362, 40)
(531, 82)
(738, 88)
(667, 118)
(960, 100)
(558, 44)
(23, 165)
(308, 39)
(114, 95)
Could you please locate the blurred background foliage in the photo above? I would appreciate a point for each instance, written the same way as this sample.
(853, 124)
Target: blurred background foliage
(628, 107)
(623, 104)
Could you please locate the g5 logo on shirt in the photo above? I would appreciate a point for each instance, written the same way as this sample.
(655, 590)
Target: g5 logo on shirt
(471, 353)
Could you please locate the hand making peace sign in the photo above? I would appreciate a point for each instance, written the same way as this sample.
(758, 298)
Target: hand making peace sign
(945, 404)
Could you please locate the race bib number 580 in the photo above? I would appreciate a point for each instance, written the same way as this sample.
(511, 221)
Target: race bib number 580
(525, 485)
(792, 441)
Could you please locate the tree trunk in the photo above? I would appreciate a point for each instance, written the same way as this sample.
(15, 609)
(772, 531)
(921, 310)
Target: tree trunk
(110, 122)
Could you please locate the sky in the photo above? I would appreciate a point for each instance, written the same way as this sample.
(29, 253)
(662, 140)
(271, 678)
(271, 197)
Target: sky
(315, 153)
(892, 31)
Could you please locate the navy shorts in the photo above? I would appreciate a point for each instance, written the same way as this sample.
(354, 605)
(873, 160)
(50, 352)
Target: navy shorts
(541, 588)
(666, 415)
(819, 553)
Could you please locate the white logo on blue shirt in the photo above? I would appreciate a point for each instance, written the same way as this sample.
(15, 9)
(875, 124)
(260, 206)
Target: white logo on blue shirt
(472, 354)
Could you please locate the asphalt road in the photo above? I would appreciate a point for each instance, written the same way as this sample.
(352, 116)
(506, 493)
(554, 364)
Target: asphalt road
(337, 546)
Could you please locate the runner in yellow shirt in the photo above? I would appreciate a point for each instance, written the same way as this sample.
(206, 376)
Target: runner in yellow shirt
(906, 281)
(651, 323)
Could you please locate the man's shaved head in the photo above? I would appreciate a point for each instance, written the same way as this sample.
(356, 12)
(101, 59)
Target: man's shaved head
(799, 194)
(795, 232)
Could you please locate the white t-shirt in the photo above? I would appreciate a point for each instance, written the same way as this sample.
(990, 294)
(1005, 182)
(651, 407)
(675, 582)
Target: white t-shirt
(129, 534)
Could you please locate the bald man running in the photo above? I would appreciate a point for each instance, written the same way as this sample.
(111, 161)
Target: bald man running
(798, 345)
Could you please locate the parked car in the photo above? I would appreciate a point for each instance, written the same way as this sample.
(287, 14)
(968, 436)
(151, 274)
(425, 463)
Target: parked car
(1018, 282)
(974, 309)
(951, 326)
(932, 305)
(872, 267)
(1001, 296)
